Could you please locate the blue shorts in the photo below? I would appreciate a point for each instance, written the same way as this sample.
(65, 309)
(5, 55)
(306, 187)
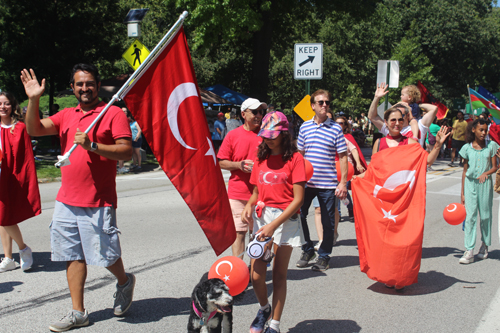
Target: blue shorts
(137, 144)
(85, 233)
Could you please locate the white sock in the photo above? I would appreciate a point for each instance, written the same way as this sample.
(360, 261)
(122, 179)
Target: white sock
(275, 325)
(265, 307)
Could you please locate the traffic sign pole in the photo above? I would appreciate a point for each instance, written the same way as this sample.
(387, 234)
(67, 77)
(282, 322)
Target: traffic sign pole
(308, 87)
(386, 105)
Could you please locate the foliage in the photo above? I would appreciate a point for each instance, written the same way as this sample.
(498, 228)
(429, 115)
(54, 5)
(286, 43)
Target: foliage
(248, 45)
(63, 102)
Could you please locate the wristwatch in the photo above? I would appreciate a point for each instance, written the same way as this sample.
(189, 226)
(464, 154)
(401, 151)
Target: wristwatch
(93, 146)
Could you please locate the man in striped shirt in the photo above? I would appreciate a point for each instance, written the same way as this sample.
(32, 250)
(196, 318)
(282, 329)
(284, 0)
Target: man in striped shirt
(319, 140)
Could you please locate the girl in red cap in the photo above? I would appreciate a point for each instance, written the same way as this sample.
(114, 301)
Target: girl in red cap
(279, 178)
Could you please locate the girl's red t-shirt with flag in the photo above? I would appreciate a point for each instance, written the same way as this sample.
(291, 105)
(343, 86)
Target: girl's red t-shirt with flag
(275, 178)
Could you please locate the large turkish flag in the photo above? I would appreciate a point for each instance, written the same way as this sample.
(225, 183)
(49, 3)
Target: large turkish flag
(166, 103)
(389, 210)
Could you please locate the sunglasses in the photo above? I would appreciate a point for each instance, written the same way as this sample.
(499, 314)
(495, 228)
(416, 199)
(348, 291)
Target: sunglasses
(320, 103)
(340, 122)
(395, 119)
(256, 112)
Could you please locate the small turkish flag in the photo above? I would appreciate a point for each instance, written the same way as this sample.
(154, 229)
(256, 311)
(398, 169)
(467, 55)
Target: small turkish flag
(389, 211)
(166, 103)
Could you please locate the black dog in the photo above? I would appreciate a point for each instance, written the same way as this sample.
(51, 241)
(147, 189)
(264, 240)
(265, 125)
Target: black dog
(211, 308)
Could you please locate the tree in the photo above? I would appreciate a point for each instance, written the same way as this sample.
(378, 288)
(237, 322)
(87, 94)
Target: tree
(52, 36)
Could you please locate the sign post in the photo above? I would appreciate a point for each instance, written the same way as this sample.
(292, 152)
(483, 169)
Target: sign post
(308, 63)
(388, 72)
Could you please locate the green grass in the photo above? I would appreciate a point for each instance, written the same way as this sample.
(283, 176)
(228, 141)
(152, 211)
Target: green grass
(64, 102)
(46, 170)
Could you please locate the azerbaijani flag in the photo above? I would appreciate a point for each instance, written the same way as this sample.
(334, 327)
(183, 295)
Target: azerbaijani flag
(478, 101)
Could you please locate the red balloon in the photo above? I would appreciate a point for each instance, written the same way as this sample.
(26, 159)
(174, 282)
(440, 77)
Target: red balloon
(309, 169)
(350, 171)
(233, 271)
(454, 213)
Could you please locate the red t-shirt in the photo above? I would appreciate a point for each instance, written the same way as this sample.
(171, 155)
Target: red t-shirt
(89, 181)
(238, 145)
(274, 179)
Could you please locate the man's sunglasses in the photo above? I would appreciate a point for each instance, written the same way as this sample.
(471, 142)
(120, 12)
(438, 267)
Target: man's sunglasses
(320, 103)
(256, 112)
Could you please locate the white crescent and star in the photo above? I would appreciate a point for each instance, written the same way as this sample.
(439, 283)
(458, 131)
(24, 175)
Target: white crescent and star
(388, 215)
(396, 179)
(178, 95)
(454, 209)
(493, 106)
(219, 264)
(264, 178)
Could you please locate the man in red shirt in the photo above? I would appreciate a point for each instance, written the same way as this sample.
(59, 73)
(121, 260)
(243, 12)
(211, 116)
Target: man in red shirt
(83, 228)
(237, 153)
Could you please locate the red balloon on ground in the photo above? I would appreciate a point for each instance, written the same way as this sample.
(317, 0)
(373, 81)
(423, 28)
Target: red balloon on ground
(233, 271)
(350, 171)
(309, 169)
(454, 213)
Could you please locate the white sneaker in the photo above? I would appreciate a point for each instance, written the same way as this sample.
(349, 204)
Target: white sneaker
(26, 258)
(7, 264)
(468, 257)
(483, 252)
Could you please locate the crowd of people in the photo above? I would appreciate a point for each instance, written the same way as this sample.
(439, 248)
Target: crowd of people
(269, 193)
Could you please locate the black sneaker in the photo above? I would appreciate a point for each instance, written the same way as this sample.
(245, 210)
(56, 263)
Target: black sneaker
(305, 258)
(260, 320)
(321, 265)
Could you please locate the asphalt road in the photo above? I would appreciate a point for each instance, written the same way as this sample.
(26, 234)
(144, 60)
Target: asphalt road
(164, 246)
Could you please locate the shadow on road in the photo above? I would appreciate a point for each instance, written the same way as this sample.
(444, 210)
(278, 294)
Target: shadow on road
(325, 326)
(147, 310)
(6, 287)
(435, 252)
(428, 283)
(42, 263)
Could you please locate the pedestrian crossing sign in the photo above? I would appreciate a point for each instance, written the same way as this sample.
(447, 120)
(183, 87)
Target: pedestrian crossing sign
(136, 54)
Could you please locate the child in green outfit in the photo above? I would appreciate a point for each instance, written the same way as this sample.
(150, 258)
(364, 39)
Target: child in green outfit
(477, 187)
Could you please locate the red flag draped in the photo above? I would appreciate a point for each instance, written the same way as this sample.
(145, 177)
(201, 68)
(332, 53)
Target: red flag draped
(20, 197)
(428, 98)
(389, 210)
(166, 103)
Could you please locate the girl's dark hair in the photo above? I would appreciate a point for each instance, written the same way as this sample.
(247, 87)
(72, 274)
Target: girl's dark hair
(16, 109)
(289, 148)
(469, 136)
(347, 125)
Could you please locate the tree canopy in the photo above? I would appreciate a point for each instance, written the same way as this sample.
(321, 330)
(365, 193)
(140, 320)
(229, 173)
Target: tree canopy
(248, 45)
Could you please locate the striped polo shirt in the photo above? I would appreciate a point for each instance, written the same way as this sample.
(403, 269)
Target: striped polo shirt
(320, 143)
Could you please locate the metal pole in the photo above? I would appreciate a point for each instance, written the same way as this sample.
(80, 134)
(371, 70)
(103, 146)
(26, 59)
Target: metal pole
(308, 87)
(386, 102)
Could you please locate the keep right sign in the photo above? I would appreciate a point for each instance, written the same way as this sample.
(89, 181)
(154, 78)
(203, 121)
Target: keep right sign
(308, 61)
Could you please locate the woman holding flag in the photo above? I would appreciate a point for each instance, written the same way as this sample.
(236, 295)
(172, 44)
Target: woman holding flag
(19, 198)
(389, 230)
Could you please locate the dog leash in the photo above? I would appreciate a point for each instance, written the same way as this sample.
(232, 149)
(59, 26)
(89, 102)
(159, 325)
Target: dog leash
(200, 315)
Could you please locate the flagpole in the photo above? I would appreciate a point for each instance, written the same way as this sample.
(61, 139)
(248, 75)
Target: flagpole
(470, 102)
(64, 160)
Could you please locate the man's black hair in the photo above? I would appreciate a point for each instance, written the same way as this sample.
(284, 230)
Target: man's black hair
(85, 68)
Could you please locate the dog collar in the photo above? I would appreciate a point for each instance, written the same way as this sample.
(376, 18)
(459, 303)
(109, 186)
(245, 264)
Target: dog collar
(200, 315)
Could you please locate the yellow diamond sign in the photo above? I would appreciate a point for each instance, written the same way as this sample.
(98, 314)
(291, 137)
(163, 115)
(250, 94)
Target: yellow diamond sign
(136, 54)
(304, 110)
